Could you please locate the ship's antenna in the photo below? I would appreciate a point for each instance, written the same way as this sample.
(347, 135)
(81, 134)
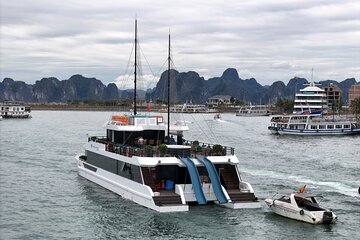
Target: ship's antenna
(135, 112)
(312, 74)
(169, 60)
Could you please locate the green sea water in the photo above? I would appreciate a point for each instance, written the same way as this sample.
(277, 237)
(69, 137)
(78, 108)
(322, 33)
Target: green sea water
(43, 197)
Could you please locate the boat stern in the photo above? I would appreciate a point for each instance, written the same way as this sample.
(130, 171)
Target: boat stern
(328, 217)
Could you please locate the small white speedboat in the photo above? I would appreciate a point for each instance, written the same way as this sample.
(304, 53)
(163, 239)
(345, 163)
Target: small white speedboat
(217, 116)
(301, 206)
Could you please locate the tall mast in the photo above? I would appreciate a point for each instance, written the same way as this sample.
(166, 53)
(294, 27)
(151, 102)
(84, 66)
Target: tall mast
(135, 67)
(169, 59)
(312, 75)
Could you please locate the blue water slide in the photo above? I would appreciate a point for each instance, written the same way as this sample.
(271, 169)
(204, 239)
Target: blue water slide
(195, 180)
(214, 177)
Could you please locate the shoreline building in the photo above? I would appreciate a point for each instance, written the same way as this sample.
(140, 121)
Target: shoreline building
(354, 92)
(333, 95)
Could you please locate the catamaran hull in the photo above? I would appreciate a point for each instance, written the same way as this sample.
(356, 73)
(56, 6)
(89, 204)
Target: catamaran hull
(245, 205)
(138, 193)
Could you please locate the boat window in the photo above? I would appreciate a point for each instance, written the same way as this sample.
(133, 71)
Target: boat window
(322, 126)
(338, 126)
(314, 200)
(330, 126)
(285, 199)
(313, 126)
(300, 201)
(346, 126)
(123, 169)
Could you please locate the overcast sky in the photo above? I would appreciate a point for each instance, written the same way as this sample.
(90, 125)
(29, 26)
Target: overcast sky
(266, 40)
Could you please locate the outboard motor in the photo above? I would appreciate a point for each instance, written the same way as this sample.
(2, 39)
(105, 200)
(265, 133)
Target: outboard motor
(327, 217)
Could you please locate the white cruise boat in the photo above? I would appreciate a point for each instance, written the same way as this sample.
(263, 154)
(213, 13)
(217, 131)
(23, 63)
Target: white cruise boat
(190, 108)
(253, 112)
(311, 98)
(137, 160)
(312, 125)
(302, 207)
(15, 111)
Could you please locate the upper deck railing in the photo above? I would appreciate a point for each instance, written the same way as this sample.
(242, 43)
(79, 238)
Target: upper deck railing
(191, 149)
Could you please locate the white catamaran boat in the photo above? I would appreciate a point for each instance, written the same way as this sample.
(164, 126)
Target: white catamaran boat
(312, 125)
(139, 162)
(302, 207)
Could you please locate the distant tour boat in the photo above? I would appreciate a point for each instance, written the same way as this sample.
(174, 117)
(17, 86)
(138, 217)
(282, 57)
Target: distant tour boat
(137, 160)
(308, 118)
(190, 108)
(253, 112)
(312, 125)
(15, 111)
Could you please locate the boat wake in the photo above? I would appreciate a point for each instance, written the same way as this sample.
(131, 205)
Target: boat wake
(330, 186)
(335, 186)
(220, 120)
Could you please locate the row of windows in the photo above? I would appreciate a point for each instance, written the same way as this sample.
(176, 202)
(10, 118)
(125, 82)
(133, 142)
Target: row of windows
(337, 126)
(12, 109)
(315, 127)
(307, 103)
(152, 137)
(120, 168)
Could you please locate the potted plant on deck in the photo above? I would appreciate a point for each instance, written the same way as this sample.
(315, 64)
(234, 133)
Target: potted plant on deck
(217, 150)
(163, 149)
(148, 151)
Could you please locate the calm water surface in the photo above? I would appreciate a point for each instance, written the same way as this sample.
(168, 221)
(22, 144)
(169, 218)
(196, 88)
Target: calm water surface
(42, 196)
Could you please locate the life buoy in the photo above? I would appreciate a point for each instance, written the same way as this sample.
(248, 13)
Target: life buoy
(301, 212)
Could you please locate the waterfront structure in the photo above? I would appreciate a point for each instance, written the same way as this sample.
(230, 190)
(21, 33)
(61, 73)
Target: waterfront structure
(311, 98)
(140, 160)
(333, 95)
(354, 92)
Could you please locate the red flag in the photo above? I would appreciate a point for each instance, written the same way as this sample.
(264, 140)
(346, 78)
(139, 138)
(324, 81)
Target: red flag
(148, 107)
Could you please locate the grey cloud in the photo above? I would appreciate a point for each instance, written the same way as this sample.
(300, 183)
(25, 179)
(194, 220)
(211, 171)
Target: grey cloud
(269, 39)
